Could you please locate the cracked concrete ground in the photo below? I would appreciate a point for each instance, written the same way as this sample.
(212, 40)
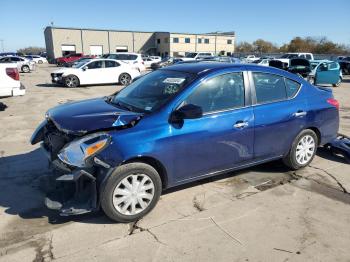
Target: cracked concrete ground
(264, 213)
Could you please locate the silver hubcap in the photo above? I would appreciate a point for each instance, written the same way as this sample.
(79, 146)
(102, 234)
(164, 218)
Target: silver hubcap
(71, 81)
(305, 149)
(125, 79)
(133, 194)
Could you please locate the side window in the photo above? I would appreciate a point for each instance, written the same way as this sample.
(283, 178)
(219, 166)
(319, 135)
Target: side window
(308, 57)
(269, 87)
(219, 93)
(292, 87)
(95, 65)
(333, 66)
(109, 63)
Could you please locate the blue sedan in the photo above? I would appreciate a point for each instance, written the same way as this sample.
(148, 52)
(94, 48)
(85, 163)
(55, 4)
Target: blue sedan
(180, 124)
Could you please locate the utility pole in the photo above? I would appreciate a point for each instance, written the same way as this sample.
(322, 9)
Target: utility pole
(2, 45)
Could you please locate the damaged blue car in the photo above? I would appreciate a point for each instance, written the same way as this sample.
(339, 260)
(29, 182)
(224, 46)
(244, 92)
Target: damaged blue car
(176, 125)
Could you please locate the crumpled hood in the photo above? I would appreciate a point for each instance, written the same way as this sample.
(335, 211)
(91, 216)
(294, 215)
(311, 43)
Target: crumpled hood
(89, 115)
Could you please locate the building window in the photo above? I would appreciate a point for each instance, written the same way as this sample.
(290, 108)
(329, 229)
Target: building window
(187, 40)
(158, 41)
(199, 40)
(229, 41)
(206, 40)
(175, 40)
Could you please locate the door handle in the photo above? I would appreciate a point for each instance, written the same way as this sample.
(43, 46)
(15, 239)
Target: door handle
(299, 113)
(240, 124)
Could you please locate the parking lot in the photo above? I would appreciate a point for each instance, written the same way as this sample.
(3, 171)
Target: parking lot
(264, 213)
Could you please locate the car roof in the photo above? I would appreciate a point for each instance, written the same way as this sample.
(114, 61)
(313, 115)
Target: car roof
(203, 67)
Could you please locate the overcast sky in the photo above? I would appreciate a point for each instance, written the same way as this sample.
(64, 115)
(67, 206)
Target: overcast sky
(22, 22)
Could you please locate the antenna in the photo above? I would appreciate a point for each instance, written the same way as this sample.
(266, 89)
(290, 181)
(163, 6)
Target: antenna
(2, 45)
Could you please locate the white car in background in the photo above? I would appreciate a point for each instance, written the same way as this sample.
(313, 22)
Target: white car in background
(95, 71)
(23, 64)
(196, 56)
(157, 59)
(148, 61)
(263, 62)
(250, 59)
(133, 59)
(36, 58)
(10, 84)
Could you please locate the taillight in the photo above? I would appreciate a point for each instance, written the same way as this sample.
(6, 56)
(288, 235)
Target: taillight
(13, 73)
(333, 102)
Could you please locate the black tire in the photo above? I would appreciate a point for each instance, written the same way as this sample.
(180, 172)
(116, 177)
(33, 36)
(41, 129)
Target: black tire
(25, 69)
(71, 81)
(338, 83)
(120, 173)
(40, 62)
(290, 159)
(125, 79)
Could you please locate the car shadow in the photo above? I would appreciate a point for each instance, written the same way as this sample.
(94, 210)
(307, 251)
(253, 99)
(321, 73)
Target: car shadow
(50, 85)
(24, 182)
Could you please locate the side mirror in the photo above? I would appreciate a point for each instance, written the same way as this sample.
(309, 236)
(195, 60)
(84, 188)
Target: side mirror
(188, 111)
(85, 68)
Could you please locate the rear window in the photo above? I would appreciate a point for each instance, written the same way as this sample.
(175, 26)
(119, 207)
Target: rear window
(292, 88)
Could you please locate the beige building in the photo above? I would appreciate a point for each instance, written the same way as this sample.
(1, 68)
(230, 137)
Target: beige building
(61, 41)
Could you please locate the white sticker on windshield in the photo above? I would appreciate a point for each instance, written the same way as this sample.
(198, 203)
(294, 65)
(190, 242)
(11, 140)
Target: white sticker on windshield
(148, 108)
(171, 80)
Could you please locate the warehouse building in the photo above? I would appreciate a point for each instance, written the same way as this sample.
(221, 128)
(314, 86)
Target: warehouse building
(62, 41)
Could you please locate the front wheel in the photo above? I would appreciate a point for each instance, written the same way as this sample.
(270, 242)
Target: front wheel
(303, 150)
(40, 61)
(130, 192)
(71, 81)
(125, 79)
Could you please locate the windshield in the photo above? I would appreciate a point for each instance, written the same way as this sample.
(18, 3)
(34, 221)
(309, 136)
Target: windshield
(80, 63)
(153, 90)
(191, 55)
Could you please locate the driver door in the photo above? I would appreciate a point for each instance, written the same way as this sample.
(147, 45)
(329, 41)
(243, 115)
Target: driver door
(222, 138)
(327, 74)
(93, 73)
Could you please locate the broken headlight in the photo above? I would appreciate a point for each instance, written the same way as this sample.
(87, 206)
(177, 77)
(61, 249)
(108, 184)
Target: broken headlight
(79, 151)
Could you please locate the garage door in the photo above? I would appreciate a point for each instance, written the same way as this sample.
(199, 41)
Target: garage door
(96, 50)
(70, 48)
(121, 49)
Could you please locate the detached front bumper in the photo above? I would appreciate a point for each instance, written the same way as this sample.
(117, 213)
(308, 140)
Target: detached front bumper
(75, 194)
(56, 78)
(74, 190)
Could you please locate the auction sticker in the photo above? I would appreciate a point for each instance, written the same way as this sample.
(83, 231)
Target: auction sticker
(174, 80)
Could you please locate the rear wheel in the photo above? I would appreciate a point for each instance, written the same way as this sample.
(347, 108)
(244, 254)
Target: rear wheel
(338, 83)
(25, 69)
(40, 61)
(125, 79)
(303, 150)
(71, 81)
(130, 192)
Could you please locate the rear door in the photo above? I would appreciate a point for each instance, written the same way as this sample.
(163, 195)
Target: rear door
(112, 71)
(280, 114)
